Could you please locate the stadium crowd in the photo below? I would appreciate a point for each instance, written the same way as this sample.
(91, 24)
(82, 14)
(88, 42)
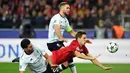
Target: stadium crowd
(84, 13)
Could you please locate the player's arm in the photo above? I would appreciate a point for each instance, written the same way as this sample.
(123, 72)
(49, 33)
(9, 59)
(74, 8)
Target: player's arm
(70, 31)
(80, 55)
(96, 62)
(22, 66)
(58, 33)
(47, 57)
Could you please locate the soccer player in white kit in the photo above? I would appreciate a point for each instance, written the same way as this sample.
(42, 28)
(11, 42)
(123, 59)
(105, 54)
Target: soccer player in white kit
(33, 58)
(58, 24)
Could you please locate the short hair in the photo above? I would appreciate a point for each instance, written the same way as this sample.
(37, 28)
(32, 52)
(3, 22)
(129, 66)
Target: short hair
(62, 4)
(79, 34)
(25, 42)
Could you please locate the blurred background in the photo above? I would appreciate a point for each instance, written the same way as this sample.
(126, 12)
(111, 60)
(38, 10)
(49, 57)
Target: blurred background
(99, 18)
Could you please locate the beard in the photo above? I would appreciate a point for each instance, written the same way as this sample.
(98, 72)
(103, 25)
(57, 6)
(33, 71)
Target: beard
(66, 14)
(29, 52)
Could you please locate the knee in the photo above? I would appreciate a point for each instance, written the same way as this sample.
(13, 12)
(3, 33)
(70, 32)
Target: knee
(66, 64)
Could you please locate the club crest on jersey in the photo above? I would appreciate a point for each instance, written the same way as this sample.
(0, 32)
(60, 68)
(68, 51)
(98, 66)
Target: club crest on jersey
(54, 21)
(78, 49)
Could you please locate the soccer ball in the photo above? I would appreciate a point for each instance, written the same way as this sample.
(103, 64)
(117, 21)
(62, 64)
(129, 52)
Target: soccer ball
(112, 47)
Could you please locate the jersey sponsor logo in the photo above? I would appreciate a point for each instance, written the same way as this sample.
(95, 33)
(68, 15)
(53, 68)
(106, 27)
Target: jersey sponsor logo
(64, 22)
(62, 27)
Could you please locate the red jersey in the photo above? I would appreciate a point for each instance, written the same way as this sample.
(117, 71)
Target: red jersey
(67, 53)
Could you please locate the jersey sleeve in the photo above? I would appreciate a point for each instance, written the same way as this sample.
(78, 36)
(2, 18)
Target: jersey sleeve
(22, 65)
(40, 49)
(56, 20)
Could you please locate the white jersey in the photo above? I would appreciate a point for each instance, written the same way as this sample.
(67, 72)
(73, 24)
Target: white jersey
(57, 19)
(35, 61)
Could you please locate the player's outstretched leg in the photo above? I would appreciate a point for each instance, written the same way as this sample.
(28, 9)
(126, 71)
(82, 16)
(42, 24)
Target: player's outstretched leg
(62, 67)
(15, 60)
(72, 66)
(67, 64)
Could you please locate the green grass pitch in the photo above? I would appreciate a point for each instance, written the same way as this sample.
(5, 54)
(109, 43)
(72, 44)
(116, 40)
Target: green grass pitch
(81, 68)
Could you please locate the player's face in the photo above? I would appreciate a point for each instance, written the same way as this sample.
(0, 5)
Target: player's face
(29, 49)
(66, 9)
(83, 39)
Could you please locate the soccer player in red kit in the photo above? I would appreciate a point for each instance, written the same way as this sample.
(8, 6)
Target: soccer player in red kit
(76, 49)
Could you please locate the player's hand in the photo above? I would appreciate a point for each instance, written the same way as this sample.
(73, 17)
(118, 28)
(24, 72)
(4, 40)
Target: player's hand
(88, 41)
(64, 40)
(54, 65)
(107, 68)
